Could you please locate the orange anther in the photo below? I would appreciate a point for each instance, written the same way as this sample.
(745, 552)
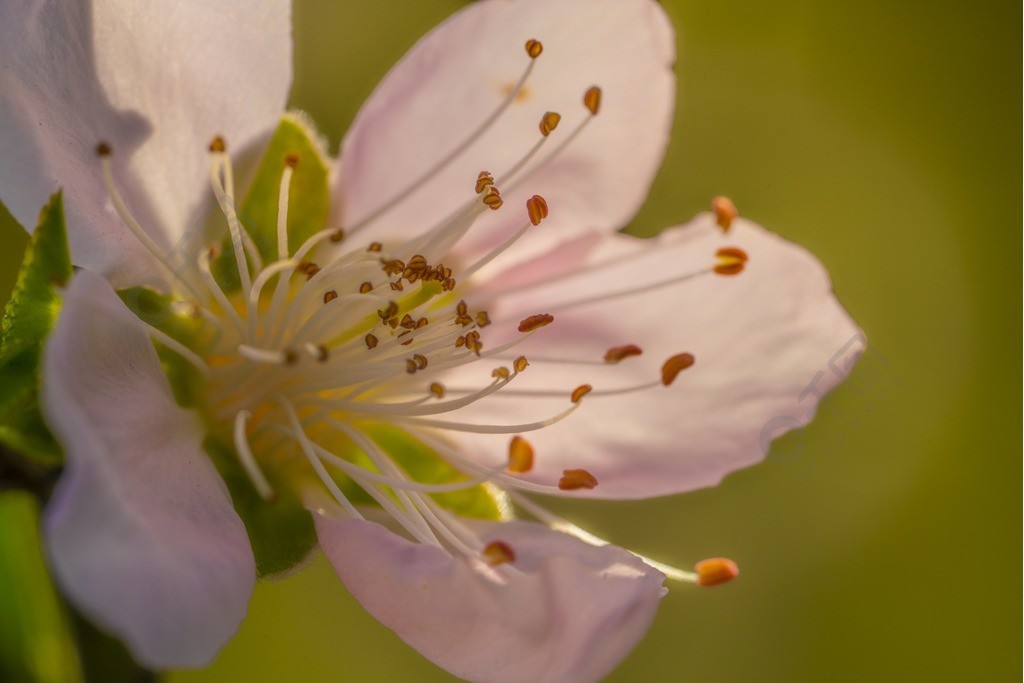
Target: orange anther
(549, 122)
(217, 145)
(520, 455)
(592, 100)
(437, 389)
(725, 212)
(520, 363)
(375, 247)
(498, 552)
(389, 311)
(371, 341)
(535, 321)
(501, 373)
(329, 296)
(576, 479)
(483, 181)
(337, 236)
(493, 199)
(731, 261)
(674, 365)
(618, 353)
(291, 159)
(103, 150)
(534, 48)
(579, 392)
(716, 571)
(482, 319)
(366, 287)
(537, 209)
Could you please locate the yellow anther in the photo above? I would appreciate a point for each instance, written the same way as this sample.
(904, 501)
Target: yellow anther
(592, 100)
(498, 552)
(374, 247)
(725, 212)
(579, 392)
(573, 480)
(437, 389)
(618, 353)
(520, 363)
(482, 319)
(730, 261)
(535, 322)
(549, 122)
(410, 366)
(501, 373)
(218, 146)
(291, 159)
(337, 236)
(534, 48)
(716, 571)
(520, 455)
(537, 209)
(420, 360)
(674, 365)
(330, 295)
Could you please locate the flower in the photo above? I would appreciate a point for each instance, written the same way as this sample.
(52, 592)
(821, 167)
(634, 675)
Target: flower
(444, 330)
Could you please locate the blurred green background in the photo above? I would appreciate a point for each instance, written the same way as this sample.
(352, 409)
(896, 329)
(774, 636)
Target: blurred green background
(881, 543)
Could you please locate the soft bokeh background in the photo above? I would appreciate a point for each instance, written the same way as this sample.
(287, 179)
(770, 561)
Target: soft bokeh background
(881, 543)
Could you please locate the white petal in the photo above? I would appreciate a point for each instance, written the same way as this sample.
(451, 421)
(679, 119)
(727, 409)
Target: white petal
(568, 611)
(452, 80)
(769, 343)
(155, 81)
(140, 532)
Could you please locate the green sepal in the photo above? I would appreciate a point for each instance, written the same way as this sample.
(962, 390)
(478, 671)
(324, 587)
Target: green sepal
(308, 198)
(280, 530)
(155, 309)
(28, 319)
(422, 464)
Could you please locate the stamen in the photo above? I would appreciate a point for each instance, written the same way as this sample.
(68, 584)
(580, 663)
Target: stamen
(573, 480)
(245, 456)
(725, 212)
(498, 552)
(520, 455)
(291, 160)
(620, 353)
(437, 389)
(549, 122)
(731, 261)
(592, 100)
(533, 49)
(674, 365)
(579, 392)
(104, 151)
(330, 295)
(491, 428)
(716, 571)
(536, 321)
(537, 208)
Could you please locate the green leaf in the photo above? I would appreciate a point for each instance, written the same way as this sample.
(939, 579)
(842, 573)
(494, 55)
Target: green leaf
(308, 202)
(35, 639)
(28, 319)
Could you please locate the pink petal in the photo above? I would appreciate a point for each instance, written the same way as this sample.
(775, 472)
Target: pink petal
(769, 343)
(452, 80)
(157, 83)
(141, 533)
(565, 611)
